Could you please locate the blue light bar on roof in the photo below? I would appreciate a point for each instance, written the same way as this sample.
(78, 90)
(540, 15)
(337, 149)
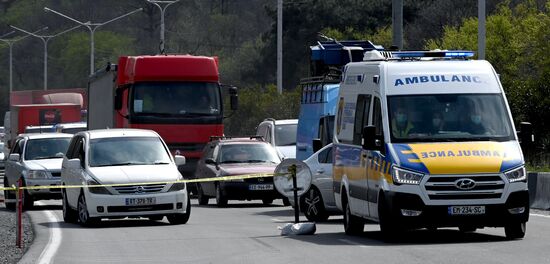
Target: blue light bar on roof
(433, 54)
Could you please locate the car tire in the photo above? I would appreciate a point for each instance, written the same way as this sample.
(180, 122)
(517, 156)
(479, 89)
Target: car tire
(221, 200)
(28, 200)
(203, 199)
(69, 214)
(9, 195)
(83, 216)
(515, 230)
(180, 219)
(155, 217)
(313, 206)
(267, 201)
(286, 202)
(467, 229)
(353, 225)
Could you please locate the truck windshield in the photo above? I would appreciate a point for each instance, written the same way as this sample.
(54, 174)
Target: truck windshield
(449, 117)
(176, 99)
(46, 148)
(120, 151)
(285, 135)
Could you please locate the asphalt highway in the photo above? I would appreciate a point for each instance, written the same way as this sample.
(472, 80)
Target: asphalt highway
(247, 232)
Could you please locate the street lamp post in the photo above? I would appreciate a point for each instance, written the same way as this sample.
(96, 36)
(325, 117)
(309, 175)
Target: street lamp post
(92, 27)
(45, 39)
(10, 43)
(162, 12)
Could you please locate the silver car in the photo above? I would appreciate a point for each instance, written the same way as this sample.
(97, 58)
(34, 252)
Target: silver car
(36, 159)
(318, 203)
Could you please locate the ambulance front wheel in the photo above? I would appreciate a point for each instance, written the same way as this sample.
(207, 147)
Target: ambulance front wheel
(515, 230)
(353, 225)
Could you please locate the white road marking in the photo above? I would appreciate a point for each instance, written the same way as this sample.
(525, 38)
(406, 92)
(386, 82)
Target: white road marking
(55, 238)
(541, 215)
(353, 243)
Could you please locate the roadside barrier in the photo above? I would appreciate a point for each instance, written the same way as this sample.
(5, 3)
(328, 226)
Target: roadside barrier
(541, 186)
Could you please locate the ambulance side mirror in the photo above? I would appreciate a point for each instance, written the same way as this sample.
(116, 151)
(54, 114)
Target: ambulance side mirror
(317, 144)
(525, 134)
(369, 138)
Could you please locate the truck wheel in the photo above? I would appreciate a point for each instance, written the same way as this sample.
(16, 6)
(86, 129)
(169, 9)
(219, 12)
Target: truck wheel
(267, 201)
(69, 215)
(180, 219)
(313, 206)
(221, 200)
(515, 230)
(83, 215)
(203, 199)
(353, 225)
(9, 195)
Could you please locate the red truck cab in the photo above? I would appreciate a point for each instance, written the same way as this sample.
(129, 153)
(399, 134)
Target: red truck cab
(178, 96)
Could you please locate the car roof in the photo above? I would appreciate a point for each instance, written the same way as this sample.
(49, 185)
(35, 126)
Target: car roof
(119, 132)
(45, 135)
(283, 121)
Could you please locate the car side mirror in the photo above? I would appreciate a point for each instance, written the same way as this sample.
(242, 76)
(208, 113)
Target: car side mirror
(179, 160)
(317, 144)
(73, 164)
(14, 157)
(369, 138)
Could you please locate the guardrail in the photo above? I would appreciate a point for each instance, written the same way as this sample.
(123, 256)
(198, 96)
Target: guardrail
(539, 190)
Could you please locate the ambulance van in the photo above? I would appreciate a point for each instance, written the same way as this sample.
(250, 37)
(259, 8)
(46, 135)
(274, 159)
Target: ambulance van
(425, 139)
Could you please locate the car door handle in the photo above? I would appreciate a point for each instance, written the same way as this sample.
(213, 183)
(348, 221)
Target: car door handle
(320, 171)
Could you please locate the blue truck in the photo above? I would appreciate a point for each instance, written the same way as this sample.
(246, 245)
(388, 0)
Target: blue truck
(320, 92)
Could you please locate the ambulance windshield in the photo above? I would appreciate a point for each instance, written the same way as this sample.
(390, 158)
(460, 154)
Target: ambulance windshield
(449, 117)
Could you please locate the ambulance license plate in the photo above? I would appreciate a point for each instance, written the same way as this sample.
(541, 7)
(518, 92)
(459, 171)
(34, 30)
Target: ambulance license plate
(467, 210)
(140, 201)
(260, 187)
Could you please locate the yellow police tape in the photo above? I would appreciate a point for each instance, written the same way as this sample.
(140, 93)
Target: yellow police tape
(222, 178)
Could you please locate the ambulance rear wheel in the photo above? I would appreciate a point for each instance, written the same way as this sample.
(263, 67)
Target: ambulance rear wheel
(353, 225)
(515, 230)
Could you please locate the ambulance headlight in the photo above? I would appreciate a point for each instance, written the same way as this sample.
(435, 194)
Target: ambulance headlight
(517, 174)
(401, 176)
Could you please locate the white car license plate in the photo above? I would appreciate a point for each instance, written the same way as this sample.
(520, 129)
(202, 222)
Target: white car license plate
(260, 187)
(467, 210)
(141, 201)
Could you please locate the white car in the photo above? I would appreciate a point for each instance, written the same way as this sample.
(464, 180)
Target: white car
(36, 159)
(281, 134)
(318, 203)
(138, 169)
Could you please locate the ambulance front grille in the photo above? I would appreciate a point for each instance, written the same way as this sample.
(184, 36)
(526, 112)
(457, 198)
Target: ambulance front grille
(474, 187)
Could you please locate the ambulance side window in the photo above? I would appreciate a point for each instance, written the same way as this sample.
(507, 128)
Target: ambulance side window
(377, 122)
(361, 117)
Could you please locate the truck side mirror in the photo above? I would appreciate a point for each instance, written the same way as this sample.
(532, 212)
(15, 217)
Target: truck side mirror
(118, 98)
(369, 138)
(234, 98)
(317, 144)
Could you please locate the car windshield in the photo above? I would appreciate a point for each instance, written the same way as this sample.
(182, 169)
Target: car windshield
(449, 117)
(248, 153)
(176, 99)
(120, 151)
(46, 148)
(285, 135)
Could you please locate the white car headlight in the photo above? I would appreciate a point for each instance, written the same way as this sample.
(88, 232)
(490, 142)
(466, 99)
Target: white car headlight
(96, 190)
(517, 174)
(401, 176)
(37, 174)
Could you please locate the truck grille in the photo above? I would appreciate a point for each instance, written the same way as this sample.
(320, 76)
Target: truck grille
(446, 187)
(139, 189)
